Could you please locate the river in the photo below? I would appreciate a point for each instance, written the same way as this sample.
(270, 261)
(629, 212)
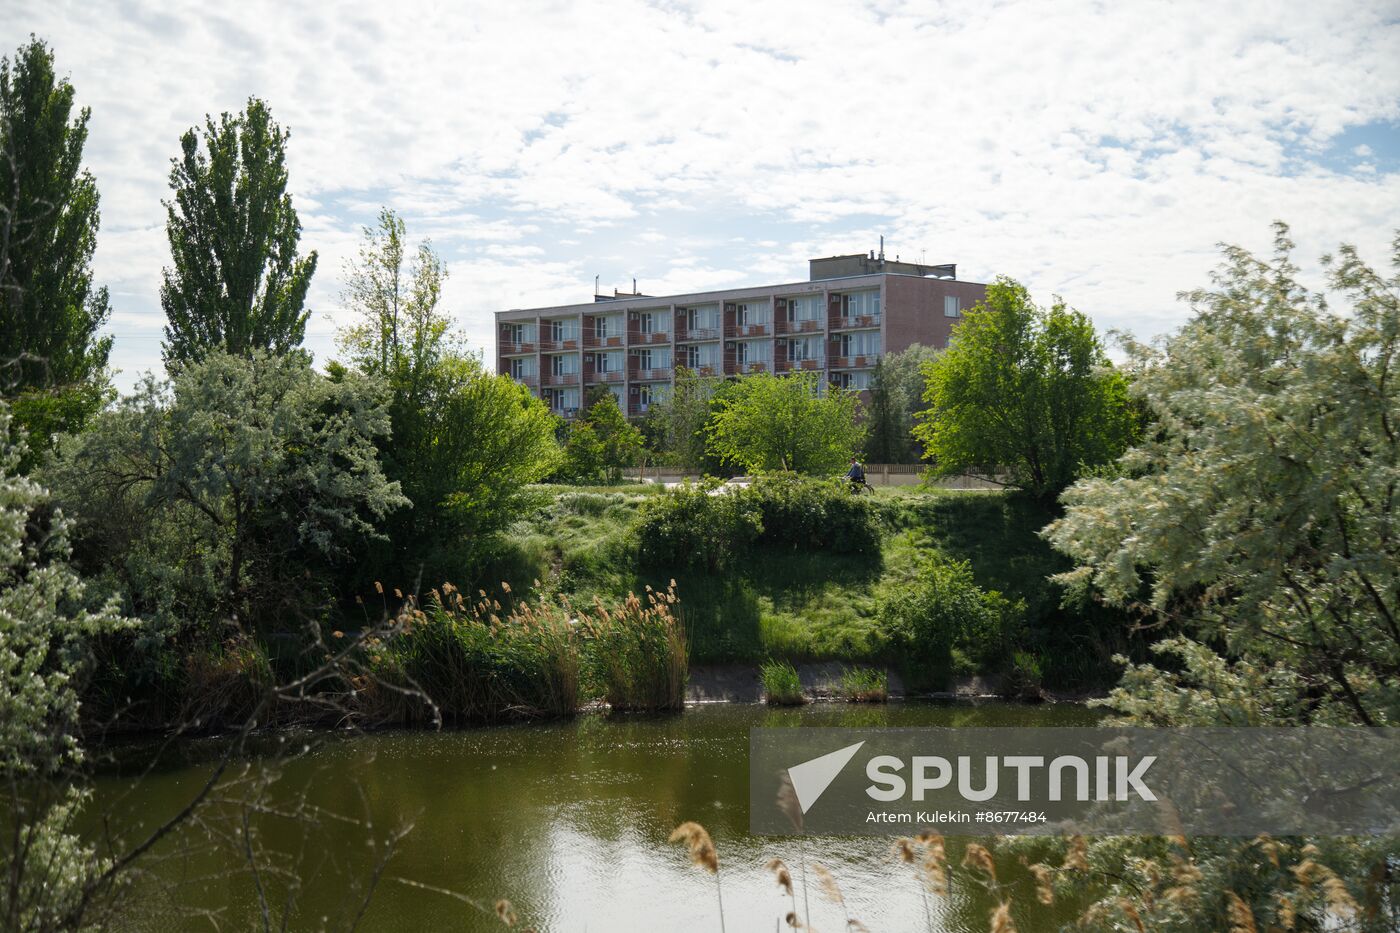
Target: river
(568, 820)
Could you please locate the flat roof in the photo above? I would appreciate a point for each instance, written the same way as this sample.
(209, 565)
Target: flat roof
(753, 291)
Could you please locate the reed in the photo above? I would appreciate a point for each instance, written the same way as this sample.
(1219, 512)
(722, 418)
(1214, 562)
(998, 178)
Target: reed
(781, 685)
(637, 655)
(865, 685)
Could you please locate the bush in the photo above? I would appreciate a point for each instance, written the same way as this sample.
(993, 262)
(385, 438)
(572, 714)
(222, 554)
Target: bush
(814, 514)
(781, 685)
(706, 527)
(865, 685)
(696, 526)
(944, 610)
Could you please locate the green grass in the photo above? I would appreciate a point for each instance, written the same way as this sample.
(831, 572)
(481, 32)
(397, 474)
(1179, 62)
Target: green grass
(781, 687)
(814, 606)
(865, 685)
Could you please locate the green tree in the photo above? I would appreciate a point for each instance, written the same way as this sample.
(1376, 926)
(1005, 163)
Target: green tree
(583, 454)
(231, 493)
(53, 364)
(678, 421)
(465, 442)
(766, 423)
(237, 283)
(896, 395)
(621, 441)
(1024, 391)
(1256, 524)
(44, 660)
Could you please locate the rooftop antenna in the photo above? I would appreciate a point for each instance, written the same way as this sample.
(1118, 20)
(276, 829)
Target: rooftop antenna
(882, 247)
(595, 283)
(634, 285)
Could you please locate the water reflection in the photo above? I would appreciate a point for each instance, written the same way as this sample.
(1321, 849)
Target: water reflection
(568, 820)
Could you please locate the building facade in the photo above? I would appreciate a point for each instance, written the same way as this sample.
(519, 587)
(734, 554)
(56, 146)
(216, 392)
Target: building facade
(851, 311)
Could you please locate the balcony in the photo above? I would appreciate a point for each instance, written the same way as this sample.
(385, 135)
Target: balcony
(638, 339)
(754, 366)
(594, 342)
(529, 379)
(657, 374)
(696, 333)
(563, 412)
(750, 330)
(559, 379)
(853, 362)
(564, 343)
(799, 327)
(508, 347)
(798, 366)
(608, 376)
(854, 322)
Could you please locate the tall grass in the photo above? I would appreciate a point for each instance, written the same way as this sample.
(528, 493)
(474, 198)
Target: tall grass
(459, 660)
(637, 654)
(781, 685)
(865, 685)
(463, 660)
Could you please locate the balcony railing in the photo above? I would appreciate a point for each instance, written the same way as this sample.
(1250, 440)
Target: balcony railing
(799, 327)
(593, 341)
(612, 375)
(853, 362)
(564, 343)
(563, 412)
(797, 366)
(639, 339)
(750, 330)
(521, 346)
(706, 369)
(651, 375)
(529, 379)
(559, 379)
(697, 333)
(854, 321)
(754, 366)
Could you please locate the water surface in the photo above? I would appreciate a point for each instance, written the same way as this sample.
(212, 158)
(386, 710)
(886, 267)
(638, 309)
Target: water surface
(566, 819)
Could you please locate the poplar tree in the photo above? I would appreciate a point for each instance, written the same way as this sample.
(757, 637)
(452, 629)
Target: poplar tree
(237, 282)
(53, 364)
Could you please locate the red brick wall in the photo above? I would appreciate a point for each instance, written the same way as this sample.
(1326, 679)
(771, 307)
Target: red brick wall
(914, 310)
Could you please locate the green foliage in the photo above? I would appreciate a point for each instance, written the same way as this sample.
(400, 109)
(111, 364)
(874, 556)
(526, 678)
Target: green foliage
(781, 685)
(678, 422)
(464, 443)
(1259, 514)
(53, 364)
(1024, 391)
(232, 492)
(767, 423)
(701, 526)
(1255, 522)
(896, 395)
(45, 659)
(621, 441)
(865, 685)
(944, 610)
(707, 526)
(813, 514)
(583, 454)
(237, 284)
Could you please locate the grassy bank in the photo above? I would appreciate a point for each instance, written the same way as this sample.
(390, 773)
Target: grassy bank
(792, 603)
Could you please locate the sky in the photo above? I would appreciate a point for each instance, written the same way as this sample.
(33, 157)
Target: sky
(1096, 151)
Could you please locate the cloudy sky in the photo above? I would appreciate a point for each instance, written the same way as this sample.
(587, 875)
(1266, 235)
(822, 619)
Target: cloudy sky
(1094, 150)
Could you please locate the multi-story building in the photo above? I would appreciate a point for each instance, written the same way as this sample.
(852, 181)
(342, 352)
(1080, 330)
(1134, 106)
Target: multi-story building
(852, 310)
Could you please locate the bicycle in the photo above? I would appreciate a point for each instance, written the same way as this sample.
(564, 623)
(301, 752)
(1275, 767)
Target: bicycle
(861, 488)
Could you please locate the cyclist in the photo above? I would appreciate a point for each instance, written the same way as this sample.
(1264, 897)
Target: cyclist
(856, 475)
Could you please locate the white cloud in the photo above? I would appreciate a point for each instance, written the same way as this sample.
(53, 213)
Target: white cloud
(1096, 151)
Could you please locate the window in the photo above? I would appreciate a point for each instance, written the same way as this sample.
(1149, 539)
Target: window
(600, 328)
(564, 365)
(522, 367)
(952, 307)
(753, 312)
(860, 343)
(645, 322)
(860, 304)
